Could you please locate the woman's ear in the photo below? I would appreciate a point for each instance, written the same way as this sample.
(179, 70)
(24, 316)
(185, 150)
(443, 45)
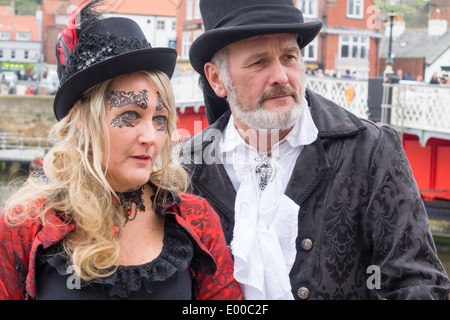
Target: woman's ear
(212, 73)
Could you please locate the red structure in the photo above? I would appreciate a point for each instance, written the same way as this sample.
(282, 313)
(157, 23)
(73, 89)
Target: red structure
(430, 165)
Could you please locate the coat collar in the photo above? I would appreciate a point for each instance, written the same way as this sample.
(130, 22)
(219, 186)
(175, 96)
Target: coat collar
(331, 120)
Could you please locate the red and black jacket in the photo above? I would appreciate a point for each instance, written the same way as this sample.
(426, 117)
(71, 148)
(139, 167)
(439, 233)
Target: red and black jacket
(211, 267)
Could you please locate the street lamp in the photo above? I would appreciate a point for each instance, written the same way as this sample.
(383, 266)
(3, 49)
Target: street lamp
(388, 69)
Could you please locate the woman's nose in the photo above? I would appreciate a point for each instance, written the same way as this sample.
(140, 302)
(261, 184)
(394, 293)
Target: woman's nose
(147, 133)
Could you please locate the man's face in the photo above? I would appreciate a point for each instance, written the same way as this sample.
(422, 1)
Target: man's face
(265, 88)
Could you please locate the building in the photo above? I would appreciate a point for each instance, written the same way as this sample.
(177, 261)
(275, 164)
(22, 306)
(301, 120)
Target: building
(20, 41)
(349, 39)
(411, 47)
(189, 27)
(157, 18)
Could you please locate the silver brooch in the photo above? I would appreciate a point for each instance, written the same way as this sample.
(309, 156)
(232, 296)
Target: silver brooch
(265, 168)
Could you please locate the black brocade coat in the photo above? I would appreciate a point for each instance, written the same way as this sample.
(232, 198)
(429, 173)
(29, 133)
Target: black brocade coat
(359, 206)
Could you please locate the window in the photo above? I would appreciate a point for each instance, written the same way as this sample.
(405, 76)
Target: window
(354, 47)
(61, 19)
(310, 51)
(189, 9)
(309, 8)
(25, 54)
(1, 53)
(23, 36)
(160, 25)
(197, 14)
(174, 25)
(355, 9)
(4, 35)
(13, 54)
(185, 45)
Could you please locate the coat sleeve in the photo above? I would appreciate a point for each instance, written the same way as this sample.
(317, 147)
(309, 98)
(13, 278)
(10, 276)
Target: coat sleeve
(10, 280)
(206, 223)
(396, 223)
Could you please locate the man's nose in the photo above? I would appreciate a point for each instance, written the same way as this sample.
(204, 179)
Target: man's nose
(278, 74)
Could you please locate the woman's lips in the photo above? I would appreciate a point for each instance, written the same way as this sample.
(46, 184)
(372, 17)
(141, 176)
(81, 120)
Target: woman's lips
(142, 158)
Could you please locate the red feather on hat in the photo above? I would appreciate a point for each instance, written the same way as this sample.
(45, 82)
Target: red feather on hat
(69, 40)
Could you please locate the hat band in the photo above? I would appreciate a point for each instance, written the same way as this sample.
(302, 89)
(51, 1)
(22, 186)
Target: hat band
(261, 14)
(94, 48)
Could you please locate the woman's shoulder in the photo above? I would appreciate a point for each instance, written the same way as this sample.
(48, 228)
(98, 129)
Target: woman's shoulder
(25, 221)
(195, 205)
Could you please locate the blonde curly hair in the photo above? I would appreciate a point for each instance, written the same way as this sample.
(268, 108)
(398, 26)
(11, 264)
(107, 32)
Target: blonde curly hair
(75, 181)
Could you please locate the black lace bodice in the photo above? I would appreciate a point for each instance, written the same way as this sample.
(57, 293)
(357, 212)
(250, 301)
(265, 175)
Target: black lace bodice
(166, 277)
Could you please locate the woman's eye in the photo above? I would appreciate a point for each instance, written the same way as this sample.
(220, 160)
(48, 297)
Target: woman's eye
(130, 115)
(160, 119)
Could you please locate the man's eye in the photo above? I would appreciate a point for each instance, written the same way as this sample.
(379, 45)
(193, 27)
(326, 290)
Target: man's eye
(258, 62)
(290, 57)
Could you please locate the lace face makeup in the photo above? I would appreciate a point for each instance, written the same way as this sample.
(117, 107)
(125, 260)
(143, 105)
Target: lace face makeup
(119, 99)
(159, 106)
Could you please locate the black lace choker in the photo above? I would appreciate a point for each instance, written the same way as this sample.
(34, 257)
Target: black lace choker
(126, 200)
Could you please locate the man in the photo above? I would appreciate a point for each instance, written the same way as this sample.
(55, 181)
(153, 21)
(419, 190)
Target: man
(314, 202)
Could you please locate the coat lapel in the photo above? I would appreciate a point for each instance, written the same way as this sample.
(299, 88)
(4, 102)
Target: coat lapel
(303, 182)
(332, 121)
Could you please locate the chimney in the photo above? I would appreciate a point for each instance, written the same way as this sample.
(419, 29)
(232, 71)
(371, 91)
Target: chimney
(437, 24)
(398, 27)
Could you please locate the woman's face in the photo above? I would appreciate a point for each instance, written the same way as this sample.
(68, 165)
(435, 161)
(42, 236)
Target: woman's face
(136, 119)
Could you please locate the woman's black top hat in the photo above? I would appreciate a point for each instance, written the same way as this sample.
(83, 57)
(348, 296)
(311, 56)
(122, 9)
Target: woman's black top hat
(228, 21)
(101, 49)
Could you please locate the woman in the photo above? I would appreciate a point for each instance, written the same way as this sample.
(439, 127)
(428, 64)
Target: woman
(109, 218)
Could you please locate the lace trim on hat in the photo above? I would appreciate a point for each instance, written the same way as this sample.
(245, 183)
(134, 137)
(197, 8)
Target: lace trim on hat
(96, 47)
(176, 256)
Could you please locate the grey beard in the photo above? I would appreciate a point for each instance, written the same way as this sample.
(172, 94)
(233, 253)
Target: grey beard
(260, 119)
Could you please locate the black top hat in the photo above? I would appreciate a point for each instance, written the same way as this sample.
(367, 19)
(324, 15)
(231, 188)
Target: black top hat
(228, 21)
(101, 49)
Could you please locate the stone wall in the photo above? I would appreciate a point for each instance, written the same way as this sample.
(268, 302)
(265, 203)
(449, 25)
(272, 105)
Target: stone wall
(30, 116)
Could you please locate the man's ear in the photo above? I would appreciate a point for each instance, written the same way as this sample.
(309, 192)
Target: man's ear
(212, 73)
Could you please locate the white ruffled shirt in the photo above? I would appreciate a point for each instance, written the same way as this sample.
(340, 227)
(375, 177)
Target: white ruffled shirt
(266, 221)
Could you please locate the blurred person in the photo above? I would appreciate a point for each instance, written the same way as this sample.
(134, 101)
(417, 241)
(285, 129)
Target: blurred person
(435, 79)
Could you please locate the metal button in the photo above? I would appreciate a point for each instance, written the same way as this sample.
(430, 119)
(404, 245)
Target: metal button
(303, 293)
(306, 244)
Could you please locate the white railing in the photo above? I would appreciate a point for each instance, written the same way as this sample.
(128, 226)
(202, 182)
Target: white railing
(9, 140)
(349, 94)
(419, 108)
(422, 107)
